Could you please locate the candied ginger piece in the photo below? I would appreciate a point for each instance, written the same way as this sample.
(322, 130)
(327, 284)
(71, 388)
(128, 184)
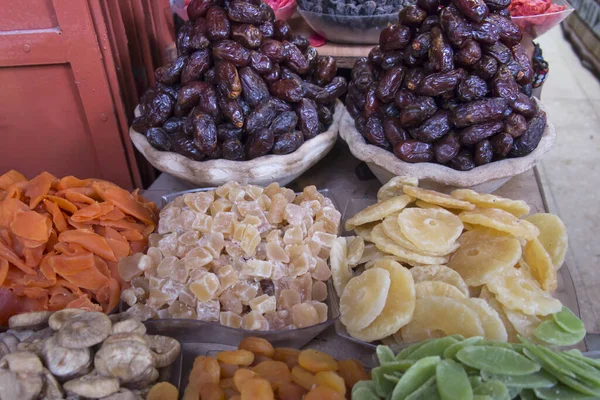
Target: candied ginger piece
(168, 244)
(253, 192)
(254, 321)
(275, 236)
(289, 194)
(319, 291)
(278, 205)
(164, 268)
(324, 239)
(279, 320)
(311, 207)
(303, 284)
(263, 304)
(199, 201)
(197, 273)
(276, 253)
(280, 270)
(295, 250)
(186, 220)
(321, 271)
(304, 315)
(248, 208)
(230, 319)
(208, 310)
(252, 219)
(155, 254)
(155, 283)
(202, 223)
(196, 258)
(187, 299)
(288, 298)
(331, 218)
(223, 222)
(258, 269)
(272, 189)
(294, 214)
(312, 193)
(245, 290)
(264, 202)
(293, 235)
(231, 302)
(141, 311)
(227, 276)
(129, 296)
(169, 220)
(129, 267)
(238, 231)
(313, 247)
(302, 264)
(321, 310)
(318, 226)
(206, 287)
(179, 272)
(180, 310)
(236, 194)
(234, 251)
(220, 205)
(189, 238)
(172, 289)
(153, 239)
(157, 299)
(213, 242)
(250, 240)
(223, 190)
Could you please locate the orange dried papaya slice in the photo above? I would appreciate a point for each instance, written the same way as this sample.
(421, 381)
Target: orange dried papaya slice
(10, 178)
(122, 225)
(69, 182)
(3, 270)
(9, 207)
(38, 187)
(68, 285)
(11, 257)
(93, 211)
(57, 216)
(38, 280)
(109, 294)
(102, 267)
(64, 204)
(59, 298)
(114, 215)
(90, 279)
(89, 241)
(125, 201)
(65, 264)
(116, 241)
(132, 235)
(36, 292)
(84, 303)
(33, 255)
(78, 197)
(32, 227)
(138, 246)
(47, 270)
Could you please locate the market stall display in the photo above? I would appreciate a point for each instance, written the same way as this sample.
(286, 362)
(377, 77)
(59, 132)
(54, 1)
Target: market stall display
(450, 86)
(245, 256)
(74, 352)
(459, 368)
(473, 258)
(61, 240)
(257, 370)
(242, 87)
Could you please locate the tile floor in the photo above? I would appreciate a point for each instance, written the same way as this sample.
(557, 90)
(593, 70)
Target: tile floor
(571, 172)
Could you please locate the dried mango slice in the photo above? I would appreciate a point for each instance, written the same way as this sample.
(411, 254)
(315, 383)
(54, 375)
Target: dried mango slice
(78, 198)
(516, 207)
(11, 257)
(68, 182)
(64, 204)
(399, 304)
(93, 211)
(502, 221)
(38, 187)
(125, 202)
(57, 216)
(33, 255)
(437, 198)
(119, 245)
(70, 264)
(84, 303)
(109, 295)
(10, 178)
(90, 241)
(378, 211)
(387, 245)
(32, 226)
(9, 208)
(553, 236)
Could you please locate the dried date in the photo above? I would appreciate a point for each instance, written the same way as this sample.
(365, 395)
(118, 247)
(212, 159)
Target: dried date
(284, 123)
(482, 153)
(227, 131)
(433, 128)
(429, 6)
(231, 110)
(509, 32)
(389, 83)
(246, 13)
(391, 59)
(260, 118)
(217, 24)
(254, 88)
(198, 8)
(301, 42)
(288, 142)
(204, 130)
(413, 151)
(228, 79)
(267, 29)
(233, 149)
(308, 118)
(394, 37)
(235, 53)
(159, 110)
(371, 101)
(485, 68)
(471, 88)
(274, 75)
(325, 115)
(413, 78)
(325, 70)
(173, 124)
(259, 143)
(499, 51)
(273, 49)
(480, 111)
(446, 148)
(441, 82)
(183, 38)
(376, 55)
(336, 88)
(195, 66)
(295, 59)
(158, 139)
(184, 145)
(497, 5)
(411, 16)
(416, 112)
(504, 85)
(362, 74)
(281, 30)
(469, 53)
(247, 35)
(199, 94)
(441, 54)
(260, 63)
(287, 89)
(170, 73)
(463, 161)
(524, 105)
(375, 134)
(199, 39)
(429, 23)
(393, 131)
(476, 133)
(525, 74)
(515, 125)
(475, 10)
(486, 32)
(404, 98)
(502, 143)
(457, 28)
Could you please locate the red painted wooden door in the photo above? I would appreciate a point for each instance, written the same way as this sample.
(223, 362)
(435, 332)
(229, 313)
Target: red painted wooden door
(56, 109)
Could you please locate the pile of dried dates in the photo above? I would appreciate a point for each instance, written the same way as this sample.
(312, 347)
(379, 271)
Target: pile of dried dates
(243, 86)
(450, 84)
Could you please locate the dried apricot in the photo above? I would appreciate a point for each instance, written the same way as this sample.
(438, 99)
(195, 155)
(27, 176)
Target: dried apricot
(227, 370)
(332, 380)
(257, 389)
(291, 391)
(241, 376)
(276, 372)
(258, 346)
(236, 357)
(287, 355)
(323, 393)
(352, 371)
(164, 391)
(205, 370)
(302, 377)
(211, 391)
(316, 361)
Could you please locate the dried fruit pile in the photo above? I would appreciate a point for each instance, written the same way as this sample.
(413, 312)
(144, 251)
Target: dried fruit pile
(243, 86)
(82, 354)
(459, 368)
(258, 371)
(449, 85)
(61, 239)
(476, 269)
(250, 257)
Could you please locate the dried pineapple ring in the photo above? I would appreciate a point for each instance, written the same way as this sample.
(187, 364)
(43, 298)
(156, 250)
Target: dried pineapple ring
(517, 292)
(435, 315)
(481, 256)
(394, 187)
(355, 249)
(553, 236)
(378, 211)
(387, 245)
(364, 231)
(490, 319)
(524, 324)
(439, 199)
(490, 298)
(399, 305)
(500, 220)
(440, 273)
(393, 231)
(371, 264)
(364, 298)
(426, 205)
(340, 272)
(516, 207)
(429, 228)
(371, 253)
(439, 289)
(540, 265)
